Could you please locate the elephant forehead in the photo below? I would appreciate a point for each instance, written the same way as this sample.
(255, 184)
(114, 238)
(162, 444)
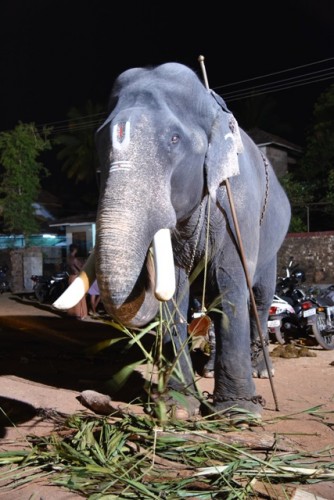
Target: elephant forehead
(172, 87)
(169, 77)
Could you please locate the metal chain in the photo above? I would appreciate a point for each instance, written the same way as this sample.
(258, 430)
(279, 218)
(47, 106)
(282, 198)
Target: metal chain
(206, 254)
(266, 165)
(188, 270)
(198, 231)
(254, 399)
(199, 225)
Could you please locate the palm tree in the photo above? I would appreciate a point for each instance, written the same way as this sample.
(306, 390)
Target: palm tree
(78, 153)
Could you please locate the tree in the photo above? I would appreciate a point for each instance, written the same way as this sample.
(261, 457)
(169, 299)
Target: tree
(317, 164)
(20, 176)
(299, 194)
(78, 153)
(316, 167)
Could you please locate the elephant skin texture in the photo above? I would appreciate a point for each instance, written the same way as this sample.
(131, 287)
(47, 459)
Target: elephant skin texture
(171, 153)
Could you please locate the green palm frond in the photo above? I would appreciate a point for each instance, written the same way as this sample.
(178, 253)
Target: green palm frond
(133, 457)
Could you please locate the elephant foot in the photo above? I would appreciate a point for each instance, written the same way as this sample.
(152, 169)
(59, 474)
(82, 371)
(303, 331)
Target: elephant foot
(174, 405)
(239, 411)
(259, 364)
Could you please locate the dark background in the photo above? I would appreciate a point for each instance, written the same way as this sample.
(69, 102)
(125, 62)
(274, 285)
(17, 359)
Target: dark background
(55, 54)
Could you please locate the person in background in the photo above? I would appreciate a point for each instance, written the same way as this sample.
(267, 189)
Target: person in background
(94, 294)
(74, 266)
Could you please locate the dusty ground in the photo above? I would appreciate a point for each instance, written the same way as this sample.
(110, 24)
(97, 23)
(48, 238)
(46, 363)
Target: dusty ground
(42, 366)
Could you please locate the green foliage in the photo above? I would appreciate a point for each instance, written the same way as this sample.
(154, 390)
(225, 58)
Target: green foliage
(317, 163)
(299, 194)
(297, 225)
(20, 176)
(128, 456)
(312, 181)
(78, 152)
(330, 194)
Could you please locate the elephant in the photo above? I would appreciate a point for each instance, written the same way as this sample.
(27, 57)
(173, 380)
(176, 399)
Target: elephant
(169, 151)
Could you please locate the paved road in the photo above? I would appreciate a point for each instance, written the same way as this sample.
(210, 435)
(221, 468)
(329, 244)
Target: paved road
(48, 346)
(46, 357)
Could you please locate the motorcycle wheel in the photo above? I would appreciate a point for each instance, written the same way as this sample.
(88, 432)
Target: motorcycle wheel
(325, 339)
(41, 293)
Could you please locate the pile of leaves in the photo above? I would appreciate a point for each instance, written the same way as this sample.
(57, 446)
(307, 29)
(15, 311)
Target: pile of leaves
(133, 456)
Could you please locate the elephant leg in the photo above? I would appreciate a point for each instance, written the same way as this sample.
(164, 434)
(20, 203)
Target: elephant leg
(234, 385)
(263, 292)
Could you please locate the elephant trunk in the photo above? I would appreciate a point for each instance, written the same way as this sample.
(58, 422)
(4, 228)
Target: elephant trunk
(135, 307)
(129, 286)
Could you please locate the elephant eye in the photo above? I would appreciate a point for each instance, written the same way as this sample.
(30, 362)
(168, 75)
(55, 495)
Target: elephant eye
(175, 138)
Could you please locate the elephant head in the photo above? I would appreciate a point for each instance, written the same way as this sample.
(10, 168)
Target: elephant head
(167, 141)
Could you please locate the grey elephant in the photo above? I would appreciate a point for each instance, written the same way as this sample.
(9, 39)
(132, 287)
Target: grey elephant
(166, 150)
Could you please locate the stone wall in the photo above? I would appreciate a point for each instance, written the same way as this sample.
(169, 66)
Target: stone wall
(314, 252)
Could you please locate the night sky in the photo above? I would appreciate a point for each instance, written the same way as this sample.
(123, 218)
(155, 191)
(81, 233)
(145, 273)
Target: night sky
(59, 53)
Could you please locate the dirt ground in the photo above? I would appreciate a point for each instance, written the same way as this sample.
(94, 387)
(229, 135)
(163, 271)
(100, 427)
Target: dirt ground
(42, 367)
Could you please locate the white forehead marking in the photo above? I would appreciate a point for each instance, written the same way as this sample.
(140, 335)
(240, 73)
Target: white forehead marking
(121, 165)
(121, 135)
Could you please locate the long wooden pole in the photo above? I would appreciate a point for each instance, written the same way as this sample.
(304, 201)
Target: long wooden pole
(243, 259)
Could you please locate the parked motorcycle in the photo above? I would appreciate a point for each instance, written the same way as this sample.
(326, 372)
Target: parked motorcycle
(286, 319)
(4, 283)
(47, 289)
(322, 322)
(287, 322)
(281, 317)
(296, 314)
(289, 286)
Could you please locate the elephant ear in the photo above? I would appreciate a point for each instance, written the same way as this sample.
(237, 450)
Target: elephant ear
(225, 143)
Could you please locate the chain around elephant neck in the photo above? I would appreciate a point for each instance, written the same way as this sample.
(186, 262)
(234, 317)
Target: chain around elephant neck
(197, 235)
(266, 165)
(192, 260)
(206, 252)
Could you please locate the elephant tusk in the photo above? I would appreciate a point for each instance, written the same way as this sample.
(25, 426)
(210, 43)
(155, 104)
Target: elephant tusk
(80, 286)
(164, 265)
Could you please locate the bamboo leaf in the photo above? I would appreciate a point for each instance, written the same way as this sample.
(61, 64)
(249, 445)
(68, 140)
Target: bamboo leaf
(120, 378)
